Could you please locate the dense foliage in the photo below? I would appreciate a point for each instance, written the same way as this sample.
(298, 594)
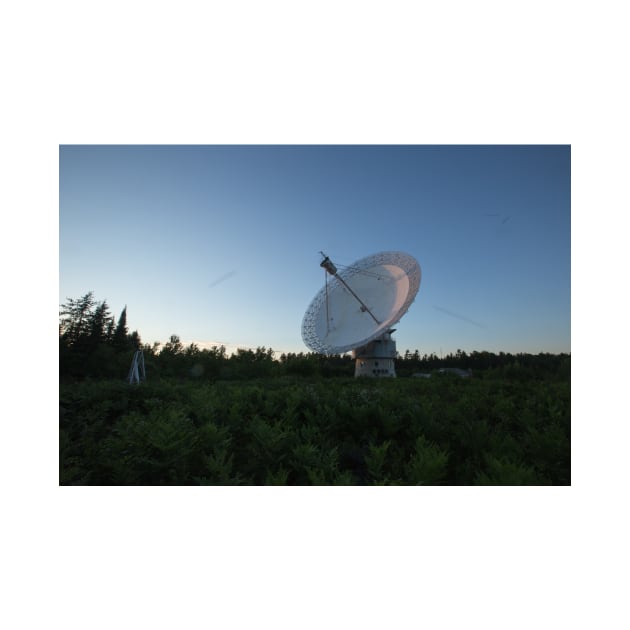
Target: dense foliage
(444, 430)
(204, 417)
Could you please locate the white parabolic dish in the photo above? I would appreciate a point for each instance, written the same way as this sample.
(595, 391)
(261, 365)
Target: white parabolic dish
(386, 283)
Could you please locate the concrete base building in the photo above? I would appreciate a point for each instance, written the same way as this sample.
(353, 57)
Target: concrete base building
(376, 359)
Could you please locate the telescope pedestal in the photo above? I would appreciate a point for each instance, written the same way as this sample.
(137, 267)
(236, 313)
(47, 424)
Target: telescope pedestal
(376, 359)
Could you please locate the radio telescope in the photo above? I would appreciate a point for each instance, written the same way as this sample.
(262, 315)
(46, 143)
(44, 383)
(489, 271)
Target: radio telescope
(357, 308)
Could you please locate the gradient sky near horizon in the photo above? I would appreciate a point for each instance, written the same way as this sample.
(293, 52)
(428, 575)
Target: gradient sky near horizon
(220, 244)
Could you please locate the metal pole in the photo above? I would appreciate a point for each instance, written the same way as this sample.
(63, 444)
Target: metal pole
(327, 317)
(364, 308)
(331, 269)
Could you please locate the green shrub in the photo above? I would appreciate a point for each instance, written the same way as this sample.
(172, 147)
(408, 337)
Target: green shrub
(303, 431)
(503, 472)
(427, 465)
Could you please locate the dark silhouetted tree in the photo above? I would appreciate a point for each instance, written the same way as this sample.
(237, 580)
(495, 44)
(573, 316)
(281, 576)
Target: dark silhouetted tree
(173, 345)
(119, 340)
(134, 340)
(74, 327)
(111, 327)
(98, 325)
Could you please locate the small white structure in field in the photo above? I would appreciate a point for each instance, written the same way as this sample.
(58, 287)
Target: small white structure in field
(136, 372)
(357, 310)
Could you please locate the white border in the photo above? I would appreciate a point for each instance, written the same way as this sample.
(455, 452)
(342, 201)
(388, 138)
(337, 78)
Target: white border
(137, 72)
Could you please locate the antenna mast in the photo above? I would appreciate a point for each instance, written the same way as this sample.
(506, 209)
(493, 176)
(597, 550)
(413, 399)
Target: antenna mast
(328, 265)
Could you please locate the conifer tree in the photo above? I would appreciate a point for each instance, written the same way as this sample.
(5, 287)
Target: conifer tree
(76, 315)
(120, 334)
(111, 327)
(98, 322)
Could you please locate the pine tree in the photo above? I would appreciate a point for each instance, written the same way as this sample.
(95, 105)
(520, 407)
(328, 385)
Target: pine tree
(98, 322)
(111, 327)
(120, 334)
(74, 327)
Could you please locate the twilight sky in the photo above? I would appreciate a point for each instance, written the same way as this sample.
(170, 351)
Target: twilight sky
(220, 244)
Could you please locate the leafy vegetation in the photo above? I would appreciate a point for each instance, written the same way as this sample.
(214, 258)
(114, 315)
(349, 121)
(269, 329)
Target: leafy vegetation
(207, 418)
(329, 431)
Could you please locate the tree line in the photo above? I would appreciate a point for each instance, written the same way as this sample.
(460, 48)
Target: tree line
(91, 341)
(93, 344)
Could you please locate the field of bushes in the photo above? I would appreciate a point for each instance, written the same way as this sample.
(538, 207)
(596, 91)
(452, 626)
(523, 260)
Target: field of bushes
(298, 431)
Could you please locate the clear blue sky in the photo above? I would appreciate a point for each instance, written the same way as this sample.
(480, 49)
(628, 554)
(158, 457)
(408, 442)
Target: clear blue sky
(221, 243)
